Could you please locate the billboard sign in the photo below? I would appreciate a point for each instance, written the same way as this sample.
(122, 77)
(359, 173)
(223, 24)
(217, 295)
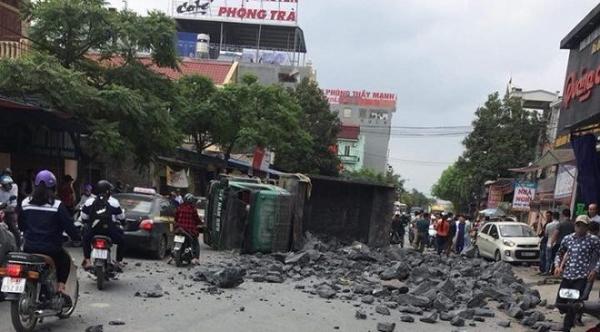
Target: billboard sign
(361, 98)
(186, 44)
(565, 181)
(524, 194)
(495, 196)
(277, 12)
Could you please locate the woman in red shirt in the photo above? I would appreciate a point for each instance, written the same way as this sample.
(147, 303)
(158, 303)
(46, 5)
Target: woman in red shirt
(187, 218)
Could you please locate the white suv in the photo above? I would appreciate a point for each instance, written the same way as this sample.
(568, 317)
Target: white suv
(508, 241)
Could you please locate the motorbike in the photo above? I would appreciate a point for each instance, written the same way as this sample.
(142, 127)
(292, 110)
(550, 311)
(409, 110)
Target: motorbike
(103, 266)
(182, 248)
(29, 283)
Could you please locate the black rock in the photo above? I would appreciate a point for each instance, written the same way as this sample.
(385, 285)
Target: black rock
(479, 319)
(515, 312)
(470, 253)
(297, 258)
(431, 319)
(504, 323)
(272, 278)
(484, 312)
(413, 300)
(391, 305)
(326, 292)
(543, 303)
(242, 309)
(410, 310)
(116, 323)
(369, 299)
(382, 310)
(95, 328)
(442, 303)
(467, 314)
(545, 326)
(228, 277)
(447, 316)
(360, 314)
(477, 300)
(386, 327)
(407, 319)
(155, 292)
(457, 321)
(399, 271)
(447, 288)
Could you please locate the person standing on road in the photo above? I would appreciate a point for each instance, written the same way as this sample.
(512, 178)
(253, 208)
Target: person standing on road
(187, 218)
(564, 228)
(577, 262)
(593, 212)
(544, 242)
(462, 234)
(412, 230)
(451, 234)
(550, 253)
(422, 232)
(443, 230)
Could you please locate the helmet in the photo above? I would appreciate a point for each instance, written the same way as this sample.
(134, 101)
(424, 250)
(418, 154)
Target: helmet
(6, 180)
(45, 177)
(189, 198)
(103, 187)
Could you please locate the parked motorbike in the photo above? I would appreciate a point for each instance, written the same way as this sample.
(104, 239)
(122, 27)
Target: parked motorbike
(29, 283)
(182, 249)
(103, 266)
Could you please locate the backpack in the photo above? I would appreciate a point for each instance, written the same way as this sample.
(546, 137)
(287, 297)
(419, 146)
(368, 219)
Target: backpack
(101, 214)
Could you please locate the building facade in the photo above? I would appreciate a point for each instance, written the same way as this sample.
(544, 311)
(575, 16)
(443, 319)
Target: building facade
(351, 148)
(372, 112)
(12, 43)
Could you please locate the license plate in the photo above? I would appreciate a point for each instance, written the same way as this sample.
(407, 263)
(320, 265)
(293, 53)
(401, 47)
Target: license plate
(99, 254)
(179, 238)
(528, 254)
(13, 285)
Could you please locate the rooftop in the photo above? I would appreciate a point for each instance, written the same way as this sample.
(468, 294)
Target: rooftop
(349, 132)
(583, 29)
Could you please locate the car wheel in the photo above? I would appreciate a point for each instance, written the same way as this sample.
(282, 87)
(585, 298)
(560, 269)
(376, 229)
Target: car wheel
(497, 256)
(161, 248)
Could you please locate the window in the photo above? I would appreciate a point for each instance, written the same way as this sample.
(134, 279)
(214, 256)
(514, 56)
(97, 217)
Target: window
(494, 232)
(516, 231)
(485, 229)
(363, 113)
(347, 112)
(347, 150)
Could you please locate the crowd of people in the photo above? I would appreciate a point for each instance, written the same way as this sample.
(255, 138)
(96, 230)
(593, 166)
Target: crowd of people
(444, 232)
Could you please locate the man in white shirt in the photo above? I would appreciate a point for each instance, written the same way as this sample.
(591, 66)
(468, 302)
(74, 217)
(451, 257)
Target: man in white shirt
(550, 253)
(593, 212)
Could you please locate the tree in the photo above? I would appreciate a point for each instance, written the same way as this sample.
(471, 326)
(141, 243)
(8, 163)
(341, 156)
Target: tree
(195, 112)
(369, 175)
(257, 115)
(504, 136)
(85, 63)
(323, 127)
(415, 198)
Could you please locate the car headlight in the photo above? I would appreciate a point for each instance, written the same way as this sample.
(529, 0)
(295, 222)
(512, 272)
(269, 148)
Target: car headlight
(508, 243)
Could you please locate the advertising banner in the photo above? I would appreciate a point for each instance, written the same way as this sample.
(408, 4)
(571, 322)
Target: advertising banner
(361, 98)
(524, 193)
(274, 12)
(495, 196)
(565, 181)
(177, 179)
(186, 44)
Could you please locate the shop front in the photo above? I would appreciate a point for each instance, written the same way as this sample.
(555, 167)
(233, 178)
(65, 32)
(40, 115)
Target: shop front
(579, 118)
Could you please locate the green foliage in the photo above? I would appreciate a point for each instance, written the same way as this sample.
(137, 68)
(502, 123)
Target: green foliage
(123, 103)
(322, 126)
(504, 136)
(370, 175)
(415, 198)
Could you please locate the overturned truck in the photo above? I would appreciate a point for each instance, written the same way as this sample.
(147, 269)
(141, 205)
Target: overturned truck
(253, 217)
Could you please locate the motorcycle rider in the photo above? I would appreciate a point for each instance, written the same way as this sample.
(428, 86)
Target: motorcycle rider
(187, 218)
(8, 195)
(43, 219)
(577, 262)
(102, 215)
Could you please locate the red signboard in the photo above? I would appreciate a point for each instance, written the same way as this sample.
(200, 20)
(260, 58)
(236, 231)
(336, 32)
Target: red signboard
(361, 98)
(495, 196)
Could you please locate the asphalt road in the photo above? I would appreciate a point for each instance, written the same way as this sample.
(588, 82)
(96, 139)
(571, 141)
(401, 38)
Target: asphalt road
(267, 307)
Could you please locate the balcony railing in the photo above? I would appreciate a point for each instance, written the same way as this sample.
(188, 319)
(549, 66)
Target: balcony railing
(349, 159)
(13, 49)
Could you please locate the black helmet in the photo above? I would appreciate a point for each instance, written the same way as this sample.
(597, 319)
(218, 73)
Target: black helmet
(103, 187)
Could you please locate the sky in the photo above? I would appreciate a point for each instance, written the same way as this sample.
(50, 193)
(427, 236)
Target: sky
(441, 57)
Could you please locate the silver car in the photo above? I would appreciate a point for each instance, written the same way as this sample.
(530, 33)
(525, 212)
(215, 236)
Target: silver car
(509, 242)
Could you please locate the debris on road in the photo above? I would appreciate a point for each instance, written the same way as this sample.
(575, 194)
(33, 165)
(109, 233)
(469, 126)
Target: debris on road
(454, 289)
(116, 323)
(154, 292)
(386, 327)
(95, 328)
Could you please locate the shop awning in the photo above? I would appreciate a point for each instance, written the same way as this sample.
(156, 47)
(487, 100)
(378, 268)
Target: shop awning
(550, 158)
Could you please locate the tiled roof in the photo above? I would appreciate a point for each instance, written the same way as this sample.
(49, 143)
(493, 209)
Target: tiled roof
(217, 71)
(349, 132)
